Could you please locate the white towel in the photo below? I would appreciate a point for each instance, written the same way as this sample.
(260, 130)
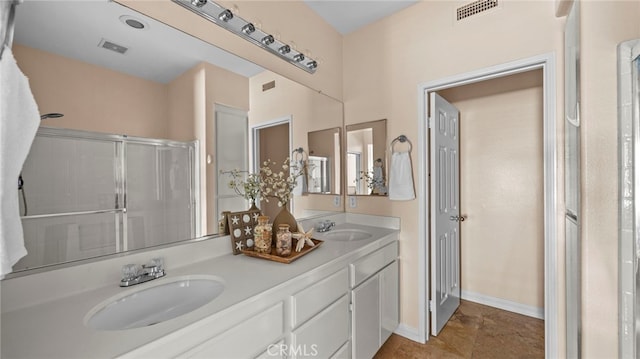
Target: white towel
(19, 121)
(401, 177)
(301, 181)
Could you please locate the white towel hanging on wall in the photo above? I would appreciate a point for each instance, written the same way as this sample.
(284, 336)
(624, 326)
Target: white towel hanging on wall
(19, 121)
(401, 186)
(401, 177)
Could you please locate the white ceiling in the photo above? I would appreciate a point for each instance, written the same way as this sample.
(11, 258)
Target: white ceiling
(348, 16)
(158, 53)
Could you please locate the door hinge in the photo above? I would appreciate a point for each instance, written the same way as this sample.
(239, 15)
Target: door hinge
(350, 307)
(431, 306)
(430, 122)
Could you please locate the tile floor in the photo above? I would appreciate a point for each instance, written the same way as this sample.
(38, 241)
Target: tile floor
(475, 331)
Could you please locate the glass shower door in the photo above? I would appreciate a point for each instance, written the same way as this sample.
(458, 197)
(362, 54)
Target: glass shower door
(160, 198)
(69, 199)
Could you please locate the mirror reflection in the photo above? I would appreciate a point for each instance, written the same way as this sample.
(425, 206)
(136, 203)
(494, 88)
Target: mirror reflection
(365, 158)
(323, 167)
(134, 161)
(283, 114)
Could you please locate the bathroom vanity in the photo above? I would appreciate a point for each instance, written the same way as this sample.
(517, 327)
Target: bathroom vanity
(340, 301)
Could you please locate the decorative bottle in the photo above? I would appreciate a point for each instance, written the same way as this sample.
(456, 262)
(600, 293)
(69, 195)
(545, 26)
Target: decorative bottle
(223, 225)
(283, 242)
(262, 235)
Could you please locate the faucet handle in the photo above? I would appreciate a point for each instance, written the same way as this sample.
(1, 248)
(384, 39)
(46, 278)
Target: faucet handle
(157, 262)
(130, 271)
(155, 267)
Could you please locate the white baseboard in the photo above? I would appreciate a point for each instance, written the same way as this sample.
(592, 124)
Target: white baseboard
(504, 304)
(409, 333)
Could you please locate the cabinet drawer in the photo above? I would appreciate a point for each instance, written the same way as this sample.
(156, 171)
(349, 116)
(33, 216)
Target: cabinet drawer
(244, 340)
(369, 265)
(325, 333)
(311, 300)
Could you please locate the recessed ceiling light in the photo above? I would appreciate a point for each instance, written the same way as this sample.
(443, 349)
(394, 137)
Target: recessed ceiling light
(133, 22)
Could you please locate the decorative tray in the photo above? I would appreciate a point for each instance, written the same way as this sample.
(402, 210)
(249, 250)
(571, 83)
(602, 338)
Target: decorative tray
(292, 257)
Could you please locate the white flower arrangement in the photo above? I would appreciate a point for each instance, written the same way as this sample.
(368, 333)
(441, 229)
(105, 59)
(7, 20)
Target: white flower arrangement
(279, 184)
(248, 187)
(370, 180)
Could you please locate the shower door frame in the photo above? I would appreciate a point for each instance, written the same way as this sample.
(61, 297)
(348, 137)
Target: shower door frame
(629, 197)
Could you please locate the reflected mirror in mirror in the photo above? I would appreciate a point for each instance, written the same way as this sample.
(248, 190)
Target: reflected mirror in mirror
(132, 163)
(323, 167)
(366, 161)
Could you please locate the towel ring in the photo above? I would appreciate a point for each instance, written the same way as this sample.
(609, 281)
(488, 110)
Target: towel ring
(298, 154)
(401, 139)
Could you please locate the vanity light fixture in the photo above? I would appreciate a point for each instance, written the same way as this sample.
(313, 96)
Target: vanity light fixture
(267, 40)
(223, 17)
(226, 15)
(285, 49)
(248, 29)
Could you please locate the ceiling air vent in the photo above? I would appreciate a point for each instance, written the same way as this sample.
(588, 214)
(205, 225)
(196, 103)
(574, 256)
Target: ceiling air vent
(475, 7)
(106, 44)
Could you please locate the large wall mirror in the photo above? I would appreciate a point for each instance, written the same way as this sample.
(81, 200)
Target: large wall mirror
(132, 163)
(366, 158)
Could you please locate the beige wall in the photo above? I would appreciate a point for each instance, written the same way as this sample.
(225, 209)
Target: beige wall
(94, 98)
(423, 43)
(309, 110)
(292, 21)
(501, 170)
(603, 24)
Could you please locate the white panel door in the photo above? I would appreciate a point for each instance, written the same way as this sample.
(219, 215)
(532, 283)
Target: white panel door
(445, 211)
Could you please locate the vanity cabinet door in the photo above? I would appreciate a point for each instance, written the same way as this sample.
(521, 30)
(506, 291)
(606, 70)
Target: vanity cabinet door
(365, 320)
(389, 295)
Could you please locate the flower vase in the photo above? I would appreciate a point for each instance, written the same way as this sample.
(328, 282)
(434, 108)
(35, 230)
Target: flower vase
(284, 217)
(253, 205)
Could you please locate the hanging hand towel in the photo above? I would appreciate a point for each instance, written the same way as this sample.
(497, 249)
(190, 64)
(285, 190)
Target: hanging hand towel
(401, 177)
(19, 121)
(301, 181)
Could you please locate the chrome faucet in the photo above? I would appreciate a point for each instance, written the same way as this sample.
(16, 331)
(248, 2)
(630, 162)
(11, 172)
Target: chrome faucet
(325, 226)
(133, 274)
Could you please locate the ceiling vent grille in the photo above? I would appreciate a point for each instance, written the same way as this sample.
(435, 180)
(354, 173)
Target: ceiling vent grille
(106, 44)
(475, 7)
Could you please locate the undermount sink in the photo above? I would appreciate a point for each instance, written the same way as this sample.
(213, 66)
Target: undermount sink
(156, 304)
(346, 235)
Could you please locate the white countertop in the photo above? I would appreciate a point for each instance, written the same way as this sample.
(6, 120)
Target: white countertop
(55, 328)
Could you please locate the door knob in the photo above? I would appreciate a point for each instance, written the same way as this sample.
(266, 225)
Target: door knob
(457, 218)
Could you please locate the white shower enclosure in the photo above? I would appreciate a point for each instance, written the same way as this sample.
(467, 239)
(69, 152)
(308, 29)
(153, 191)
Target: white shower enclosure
(87, 194)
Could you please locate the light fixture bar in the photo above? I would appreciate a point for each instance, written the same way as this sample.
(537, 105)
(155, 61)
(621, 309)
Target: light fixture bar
(225, 18)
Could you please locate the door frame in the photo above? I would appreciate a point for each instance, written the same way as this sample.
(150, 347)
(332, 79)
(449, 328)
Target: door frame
(547, 63)
(254, 141)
